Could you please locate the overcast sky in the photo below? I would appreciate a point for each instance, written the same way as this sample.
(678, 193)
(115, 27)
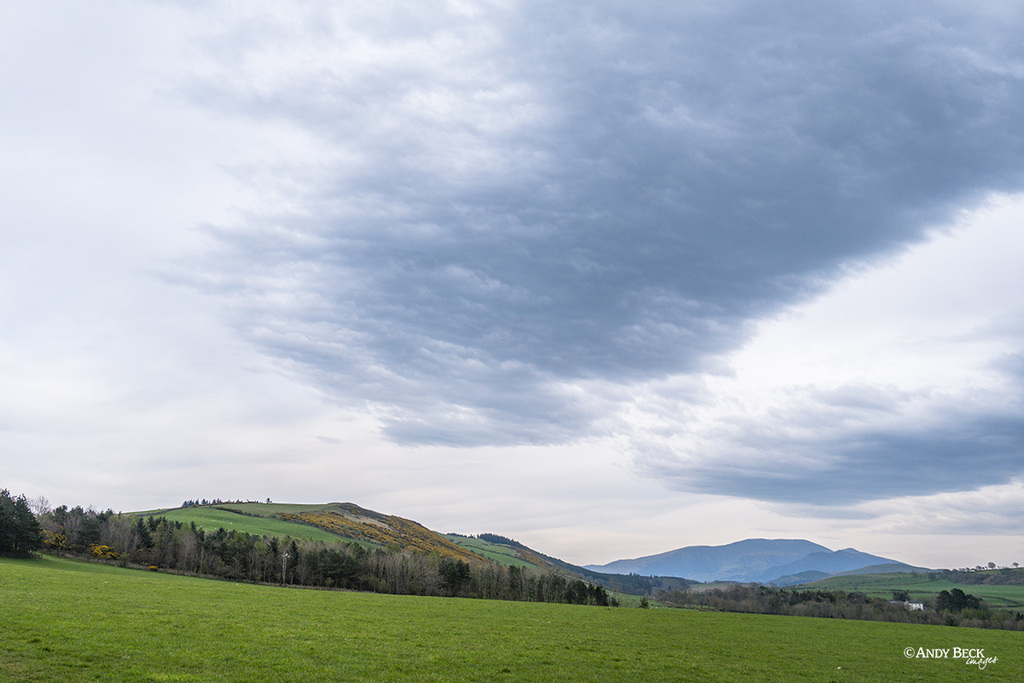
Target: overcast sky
(608, 278)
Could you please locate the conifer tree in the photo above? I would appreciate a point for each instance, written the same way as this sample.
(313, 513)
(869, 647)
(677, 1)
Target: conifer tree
(20, 533)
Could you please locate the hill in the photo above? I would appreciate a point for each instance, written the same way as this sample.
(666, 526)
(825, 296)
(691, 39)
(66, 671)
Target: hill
(997, 587)
(320, 522)
(782, 561)
(213, 517)
(351, 521)
(354, 524)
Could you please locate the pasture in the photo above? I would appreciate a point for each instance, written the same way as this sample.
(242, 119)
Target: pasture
(502, 554)
(211, 518)
(73, 621)
(921, 587)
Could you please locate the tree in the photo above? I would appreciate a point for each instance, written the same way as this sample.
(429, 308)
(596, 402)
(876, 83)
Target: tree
(20, 533)
(956, 601)
(39, 505)
(143, 536)
(293, 554)
(454, 573)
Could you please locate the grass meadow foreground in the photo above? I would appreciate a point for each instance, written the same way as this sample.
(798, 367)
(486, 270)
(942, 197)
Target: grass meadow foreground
(71, 621)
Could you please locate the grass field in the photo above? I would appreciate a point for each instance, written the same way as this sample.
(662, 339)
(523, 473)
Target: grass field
(211, 519)
(266, 509)
(502, 554)
(68, 621)
(921, 587)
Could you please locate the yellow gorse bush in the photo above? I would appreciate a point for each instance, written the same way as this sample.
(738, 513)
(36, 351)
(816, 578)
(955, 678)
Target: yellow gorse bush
(103, 552)
(355, 522)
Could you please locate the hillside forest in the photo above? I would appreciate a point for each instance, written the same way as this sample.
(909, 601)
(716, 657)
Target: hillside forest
(161, 544)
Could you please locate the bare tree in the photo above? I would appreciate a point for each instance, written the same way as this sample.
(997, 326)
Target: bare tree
(39, 505)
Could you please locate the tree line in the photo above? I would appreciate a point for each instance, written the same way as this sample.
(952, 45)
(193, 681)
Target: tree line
(167, 545)
(951, 608)
(1004, 576)
(19, 530)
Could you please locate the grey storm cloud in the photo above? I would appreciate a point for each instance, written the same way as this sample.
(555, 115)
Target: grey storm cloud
(967, 454)
(525, 200)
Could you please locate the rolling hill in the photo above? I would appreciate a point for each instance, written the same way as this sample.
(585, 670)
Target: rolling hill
(323, 522)
(351, 523)
(213, 517)
(1002, 589)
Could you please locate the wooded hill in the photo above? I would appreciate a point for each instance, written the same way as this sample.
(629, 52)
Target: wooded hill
(334, 545)
(346, 521)
(372, 529)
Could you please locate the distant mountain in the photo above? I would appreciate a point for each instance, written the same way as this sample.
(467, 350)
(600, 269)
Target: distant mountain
(827, 562)
(732, 562)
(780, 561)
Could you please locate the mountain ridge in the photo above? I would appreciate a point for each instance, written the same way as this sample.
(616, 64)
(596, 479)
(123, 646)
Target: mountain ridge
(759, 560)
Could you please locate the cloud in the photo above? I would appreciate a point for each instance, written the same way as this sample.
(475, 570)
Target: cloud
(905, 379)
(603, 263)
(515, 199)
(982, 511)
(828, 469)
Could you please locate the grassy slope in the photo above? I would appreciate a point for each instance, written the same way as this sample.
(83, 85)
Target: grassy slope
(71, 622)
(502, 554)
(920, 587)
(211, 519)
(350, 520)
(321, 522)
(268, 509)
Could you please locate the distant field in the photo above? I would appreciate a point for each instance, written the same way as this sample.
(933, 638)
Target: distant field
(264, 509)
(920, 587)
(211, 519)
(68, 621)
(502, 554)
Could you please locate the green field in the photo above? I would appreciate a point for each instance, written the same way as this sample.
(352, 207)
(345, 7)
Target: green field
(211, 519)
(502, 554)
(920, 587)
(69, 621)
(266, 509)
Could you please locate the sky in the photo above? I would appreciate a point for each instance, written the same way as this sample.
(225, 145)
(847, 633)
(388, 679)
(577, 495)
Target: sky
(606, 278)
